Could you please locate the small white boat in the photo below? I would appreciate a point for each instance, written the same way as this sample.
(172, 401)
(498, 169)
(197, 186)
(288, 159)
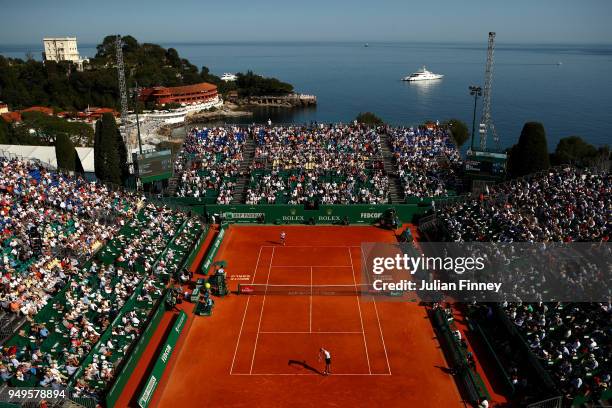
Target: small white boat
(422, 75)
(227, 77)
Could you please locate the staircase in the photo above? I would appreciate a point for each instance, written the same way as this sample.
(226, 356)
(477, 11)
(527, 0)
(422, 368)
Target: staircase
(396, 190)
(9, 324)
(67, 404)
(172, 186)
(173, 181)
(239, 196)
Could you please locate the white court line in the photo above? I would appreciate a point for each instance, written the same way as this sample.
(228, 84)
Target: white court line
(302, 285)
(245, 312)
(311, 266)
(378, 319)
(381, 336)
(311, 246)
(263, 303)
(365, 344)
(310, 316)
(310, 332)
(332, 375)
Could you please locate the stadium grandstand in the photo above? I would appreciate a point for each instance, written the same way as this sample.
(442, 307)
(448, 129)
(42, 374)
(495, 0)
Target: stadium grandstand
(110, 293)
(83, 267)
(566, 347)
(326, 164)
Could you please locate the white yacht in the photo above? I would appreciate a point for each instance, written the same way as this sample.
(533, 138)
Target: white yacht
(227, 77)
(422, 75)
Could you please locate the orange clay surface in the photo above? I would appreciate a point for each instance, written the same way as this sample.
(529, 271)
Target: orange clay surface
(262, 351)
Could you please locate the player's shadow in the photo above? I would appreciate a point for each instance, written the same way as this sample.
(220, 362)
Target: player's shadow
(304, 365)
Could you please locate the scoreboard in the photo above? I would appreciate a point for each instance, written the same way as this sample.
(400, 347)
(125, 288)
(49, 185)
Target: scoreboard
(154, 166)
(486, 163)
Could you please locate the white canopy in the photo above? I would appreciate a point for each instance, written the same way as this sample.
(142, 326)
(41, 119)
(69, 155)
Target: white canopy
(46, 154)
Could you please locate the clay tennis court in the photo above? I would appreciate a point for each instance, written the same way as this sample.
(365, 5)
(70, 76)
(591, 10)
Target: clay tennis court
(262, 349)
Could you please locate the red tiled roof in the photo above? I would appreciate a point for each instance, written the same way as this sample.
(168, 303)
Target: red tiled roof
(42, 109)
(11, 117)
(201, 87)
(179, 90)
(99, 111)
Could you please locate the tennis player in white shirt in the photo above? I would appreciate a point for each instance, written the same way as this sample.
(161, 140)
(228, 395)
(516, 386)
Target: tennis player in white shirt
(323, 353)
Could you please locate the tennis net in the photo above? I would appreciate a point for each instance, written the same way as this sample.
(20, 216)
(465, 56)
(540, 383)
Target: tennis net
(310, 290)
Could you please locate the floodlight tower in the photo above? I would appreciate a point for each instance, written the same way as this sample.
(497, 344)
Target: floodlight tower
(486, 126)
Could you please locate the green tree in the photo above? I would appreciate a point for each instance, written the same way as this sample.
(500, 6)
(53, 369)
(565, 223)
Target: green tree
(110, 153)
(602, 158)
(172, 57)
(27, 83)
(99, 149)
(368, 118)
(250, 84)
(574, 150)
(18, 135)
(459, 131)
(530, 154)
(4, 132)
(49, 127)
(67, 156)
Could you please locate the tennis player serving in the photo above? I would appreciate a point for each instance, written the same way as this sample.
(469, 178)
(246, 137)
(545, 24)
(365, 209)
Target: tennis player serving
(327, 356)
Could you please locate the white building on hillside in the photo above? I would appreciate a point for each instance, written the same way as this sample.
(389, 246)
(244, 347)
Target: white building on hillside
(62, 49)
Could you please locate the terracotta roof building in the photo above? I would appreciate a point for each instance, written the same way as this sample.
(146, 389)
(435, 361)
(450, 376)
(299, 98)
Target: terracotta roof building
(41, 109)
(15, 116)
(188, 94)
(10, 117)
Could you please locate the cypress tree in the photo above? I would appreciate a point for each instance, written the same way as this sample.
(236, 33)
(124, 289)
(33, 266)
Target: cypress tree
(459, 131)
(530, 154)
(99, 161)
(67, 156)
(110, 153)
(4, 132)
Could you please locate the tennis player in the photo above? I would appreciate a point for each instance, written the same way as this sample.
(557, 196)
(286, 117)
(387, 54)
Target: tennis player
(327, 355)
(283, 236)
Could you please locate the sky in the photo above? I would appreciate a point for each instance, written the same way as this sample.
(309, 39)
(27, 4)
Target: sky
(163, 21)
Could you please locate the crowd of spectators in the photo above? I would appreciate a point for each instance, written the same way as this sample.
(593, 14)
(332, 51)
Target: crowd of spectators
(330, 164)
(47, 223)
(565, 204)
(427, 159)
(209, 163)
(562, 205)
(133, 268)
(72, 253)
(571, 340)
(303, 187)
(326, 163)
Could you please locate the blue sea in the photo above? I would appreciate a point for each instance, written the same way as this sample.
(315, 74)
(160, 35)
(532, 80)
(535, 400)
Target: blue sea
(573, 98)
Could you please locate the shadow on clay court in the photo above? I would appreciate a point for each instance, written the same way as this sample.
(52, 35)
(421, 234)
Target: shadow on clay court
(304, 365)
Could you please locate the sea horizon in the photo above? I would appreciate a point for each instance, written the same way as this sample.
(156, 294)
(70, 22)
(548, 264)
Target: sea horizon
(529, 84)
